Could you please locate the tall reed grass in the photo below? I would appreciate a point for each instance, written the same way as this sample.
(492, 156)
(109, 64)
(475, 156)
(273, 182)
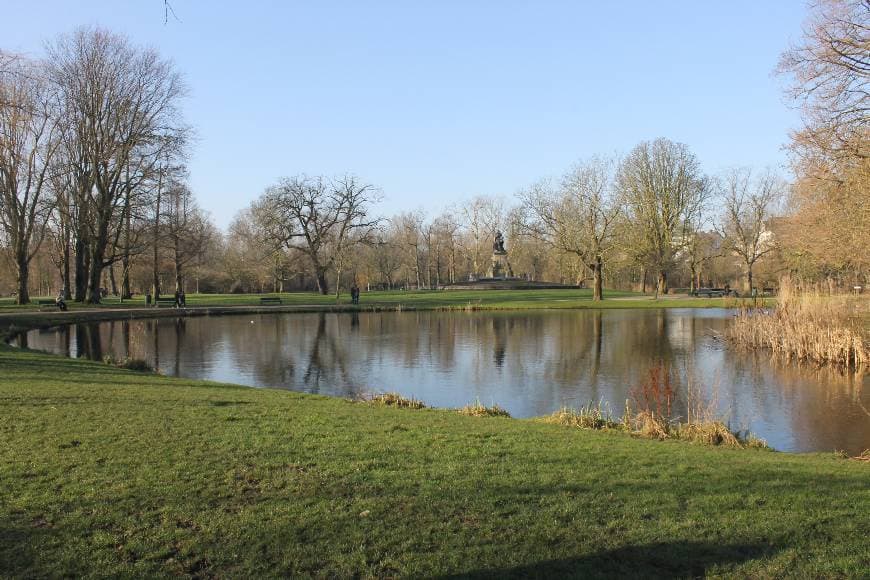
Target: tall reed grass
(807, 325)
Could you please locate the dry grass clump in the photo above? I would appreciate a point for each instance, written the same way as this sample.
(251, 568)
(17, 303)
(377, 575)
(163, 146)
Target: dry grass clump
(397, 400)
(478, 409)
(654, 402)
(806, 326)
(590, 416)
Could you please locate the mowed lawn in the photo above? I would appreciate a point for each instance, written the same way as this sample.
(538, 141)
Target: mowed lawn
(106, 472)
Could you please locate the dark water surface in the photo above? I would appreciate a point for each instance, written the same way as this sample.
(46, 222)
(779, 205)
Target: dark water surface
(531, 363)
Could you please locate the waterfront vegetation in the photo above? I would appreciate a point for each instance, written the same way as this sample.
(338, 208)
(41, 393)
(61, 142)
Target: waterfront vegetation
(808, 326)
(117, 472)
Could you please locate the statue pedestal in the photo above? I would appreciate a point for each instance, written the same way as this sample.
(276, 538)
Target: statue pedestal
(500, 268)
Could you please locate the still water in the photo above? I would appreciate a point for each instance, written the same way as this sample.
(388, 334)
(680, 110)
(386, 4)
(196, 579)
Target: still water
(530, 363)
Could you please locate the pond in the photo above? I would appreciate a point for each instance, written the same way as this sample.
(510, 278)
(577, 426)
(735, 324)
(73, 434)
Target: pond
(529, 362)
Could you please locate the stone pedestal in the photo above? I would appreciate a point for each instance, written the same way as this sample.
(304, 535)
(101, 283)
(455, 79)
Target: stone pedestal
(500, 268)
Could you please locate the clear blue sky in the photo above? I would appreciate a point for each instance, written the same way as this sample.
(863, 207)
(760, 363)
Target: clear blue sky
(439, 101)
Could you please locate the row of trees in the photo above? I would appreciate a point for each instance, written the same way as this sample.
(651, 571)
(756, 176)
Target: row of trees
(650, 211)
(92, 151)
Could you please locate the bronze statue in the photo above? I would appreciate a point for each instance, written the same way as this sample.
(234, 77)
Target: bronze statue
(498, 244)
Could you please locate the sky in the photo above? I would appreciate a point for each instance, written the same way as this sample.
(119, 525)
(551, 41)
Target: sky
(436, 102)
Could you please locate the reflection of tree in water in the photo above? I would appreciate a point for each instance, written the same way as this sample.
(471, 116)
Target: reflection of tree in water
(88, 341)
(326, 355)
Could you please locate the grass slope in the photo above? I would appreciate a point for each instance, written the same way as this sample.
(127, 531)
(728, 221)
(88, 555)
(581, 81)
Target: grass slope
(115, 473)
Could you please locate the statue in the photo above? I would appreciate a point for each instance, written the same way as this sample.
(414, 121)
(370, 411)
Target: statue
(498, 244)
(500, 268)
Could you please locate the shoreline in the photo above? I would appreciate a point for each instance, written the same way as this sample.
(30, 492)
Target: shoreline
(15, 322)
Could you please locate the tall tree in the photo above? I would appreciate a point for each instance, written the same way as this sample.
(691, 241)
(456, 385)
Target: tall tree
(28, 142)
(318, 217)
(577, 218)
(119, 101)
(663, 188)
(747, 205)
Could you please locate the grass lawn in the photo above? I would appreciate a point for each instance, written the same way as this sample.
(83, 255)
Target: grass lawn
(569, 298)
(115, 473)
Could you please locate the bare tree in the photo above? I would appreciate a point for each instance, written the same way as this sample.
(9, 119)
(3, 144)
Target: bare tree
(319, 217)
(119, 101)
(28, 142)
(663, 188)
(578, 217)
(830, 71)
(747, 207)
(187, 231)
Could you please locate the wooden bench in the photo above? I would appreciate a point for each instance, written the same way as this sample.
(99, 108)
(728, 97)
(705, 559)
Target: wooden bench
(46, 302)
(165, 303)
(711, 292)
(270, 300)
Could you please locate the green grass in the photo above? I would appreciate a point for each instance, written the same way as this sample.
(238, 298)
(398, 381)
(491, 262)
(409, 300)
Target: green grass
(569, 298)
(107, 472)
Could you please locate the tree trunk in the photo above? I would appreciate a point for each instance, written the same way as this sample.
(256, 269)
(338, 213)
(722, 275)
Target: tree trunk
(643, 280)
(126, 290)
(322, 284)
(662, 286)
(98, 246)
(748, 284)
(112, 281)
(64, 271)
(81, 268)
(597, 293)
(155, 243)
(22, 263)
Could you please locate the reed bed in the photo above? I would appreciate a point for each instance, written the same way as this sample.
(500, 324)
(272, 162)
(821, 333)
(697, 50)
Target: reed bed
(807, 326)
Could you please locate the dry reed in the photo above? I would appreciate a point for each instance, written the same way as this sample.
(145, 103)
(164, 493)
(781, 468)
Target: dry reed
(806, 326)
(478, 409)
(397, 400)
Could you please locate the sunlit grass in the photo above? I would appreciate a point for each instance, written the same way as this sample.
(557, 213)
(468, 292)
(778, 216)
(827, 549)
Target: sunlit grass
(108, 472)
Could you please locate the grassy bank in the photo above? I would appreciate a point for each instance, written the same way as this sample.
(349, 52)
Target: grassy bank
(112, 472)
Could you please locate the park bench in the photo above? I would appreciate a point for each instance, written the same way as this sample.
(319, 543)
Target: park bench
(270, 300)
(46, 302)
(165, 303)
(711, 292)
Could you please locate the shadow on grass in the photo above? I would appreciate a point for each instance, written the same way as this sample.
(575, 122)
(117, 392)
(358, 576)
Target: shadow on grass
(18, 548)
(659, 560)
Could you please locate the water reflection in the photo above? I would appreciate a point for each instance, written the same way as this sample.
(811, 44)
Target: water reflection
(529, 362)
